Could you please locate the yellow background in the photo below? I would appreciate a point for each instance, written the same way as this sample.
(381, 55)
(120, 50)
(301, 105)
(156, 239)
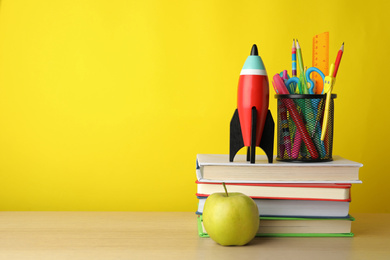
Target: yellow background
(105, 104)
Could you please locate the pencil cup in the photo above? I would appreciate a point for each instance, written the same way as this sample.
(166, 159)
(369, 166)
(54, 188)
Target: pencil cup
(300, 120)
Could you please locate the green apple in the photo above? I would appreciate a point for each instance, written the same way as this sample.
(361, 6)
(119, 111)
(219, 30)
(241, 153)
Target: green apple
(230, 218)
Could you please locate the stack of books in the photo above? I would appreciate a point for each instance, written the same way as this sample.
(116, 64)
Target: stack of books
(294, 199)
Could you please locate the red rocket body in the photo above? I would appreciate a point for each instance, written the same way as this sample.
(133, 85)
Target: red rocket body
(253, 91)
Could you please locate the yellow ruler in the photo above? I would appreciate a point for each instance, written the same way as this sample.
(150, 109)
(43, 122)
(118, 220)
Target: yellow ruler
(320, 59)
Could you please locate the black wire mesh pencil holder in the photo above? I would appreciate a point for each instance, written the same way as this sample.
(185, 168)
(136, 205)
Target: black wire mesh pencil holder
(300, 125)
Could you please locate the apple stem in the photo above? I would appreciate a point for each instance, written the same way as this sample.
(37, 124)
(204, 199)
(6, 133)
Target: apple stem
(224, 186)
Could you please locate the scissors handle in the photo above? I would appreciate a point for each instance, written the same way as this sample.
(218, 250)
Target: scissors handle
(294, 80)
(310, 81)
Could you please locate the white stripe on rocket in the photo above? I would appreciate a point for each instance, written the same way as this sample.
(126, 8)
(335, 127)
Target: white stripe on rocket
(253, 72)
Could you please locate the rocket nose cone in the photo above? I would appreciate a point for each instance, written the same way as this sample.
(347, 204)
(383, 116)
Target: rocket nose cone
(254, 51)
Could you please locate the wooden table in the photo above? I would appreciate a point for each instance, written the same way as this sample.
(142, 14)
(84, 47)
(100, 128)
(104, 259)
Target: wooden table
(169, 235)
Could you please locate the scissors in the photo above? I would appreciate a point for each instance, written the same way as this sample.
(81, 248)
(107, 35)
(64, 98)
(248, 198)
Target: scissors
(299, 82)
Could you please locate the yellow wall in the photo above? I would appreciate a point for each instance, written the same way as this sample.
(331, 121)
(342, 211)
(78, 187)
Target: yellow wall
(105, 104)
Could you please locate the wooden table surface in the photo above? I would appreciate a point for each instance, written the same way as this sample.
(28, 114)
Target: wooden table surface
(169, 235)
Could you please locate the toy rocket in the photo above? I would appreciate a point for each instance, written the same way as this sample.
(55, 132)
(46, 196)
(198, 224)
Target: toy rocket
(252, 123)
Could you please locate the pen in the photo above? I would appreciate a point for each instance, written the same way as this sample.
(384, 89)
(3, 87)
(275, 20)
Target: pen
(338, 58)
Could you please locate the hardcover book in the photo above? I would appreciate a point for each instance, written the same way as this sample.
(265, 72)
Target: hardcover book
(295, 208)
(298, 227)
(217, 168)
(320, 191)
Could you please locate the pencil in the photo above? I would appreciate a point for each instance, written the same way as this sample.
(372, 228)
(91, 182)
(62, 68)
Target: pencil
(300, 59)
(294, 59)
(302, 77)
(338, 59)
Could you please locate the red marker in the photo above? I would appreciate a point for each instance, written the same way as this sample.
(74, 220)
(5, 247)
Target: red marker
(252, 117)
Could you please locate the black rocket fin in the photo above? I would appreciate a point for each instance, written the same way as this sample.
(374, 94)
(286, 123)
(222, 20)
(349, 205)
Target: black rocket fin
(267, 138)
(236, 140)
(253, 135)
